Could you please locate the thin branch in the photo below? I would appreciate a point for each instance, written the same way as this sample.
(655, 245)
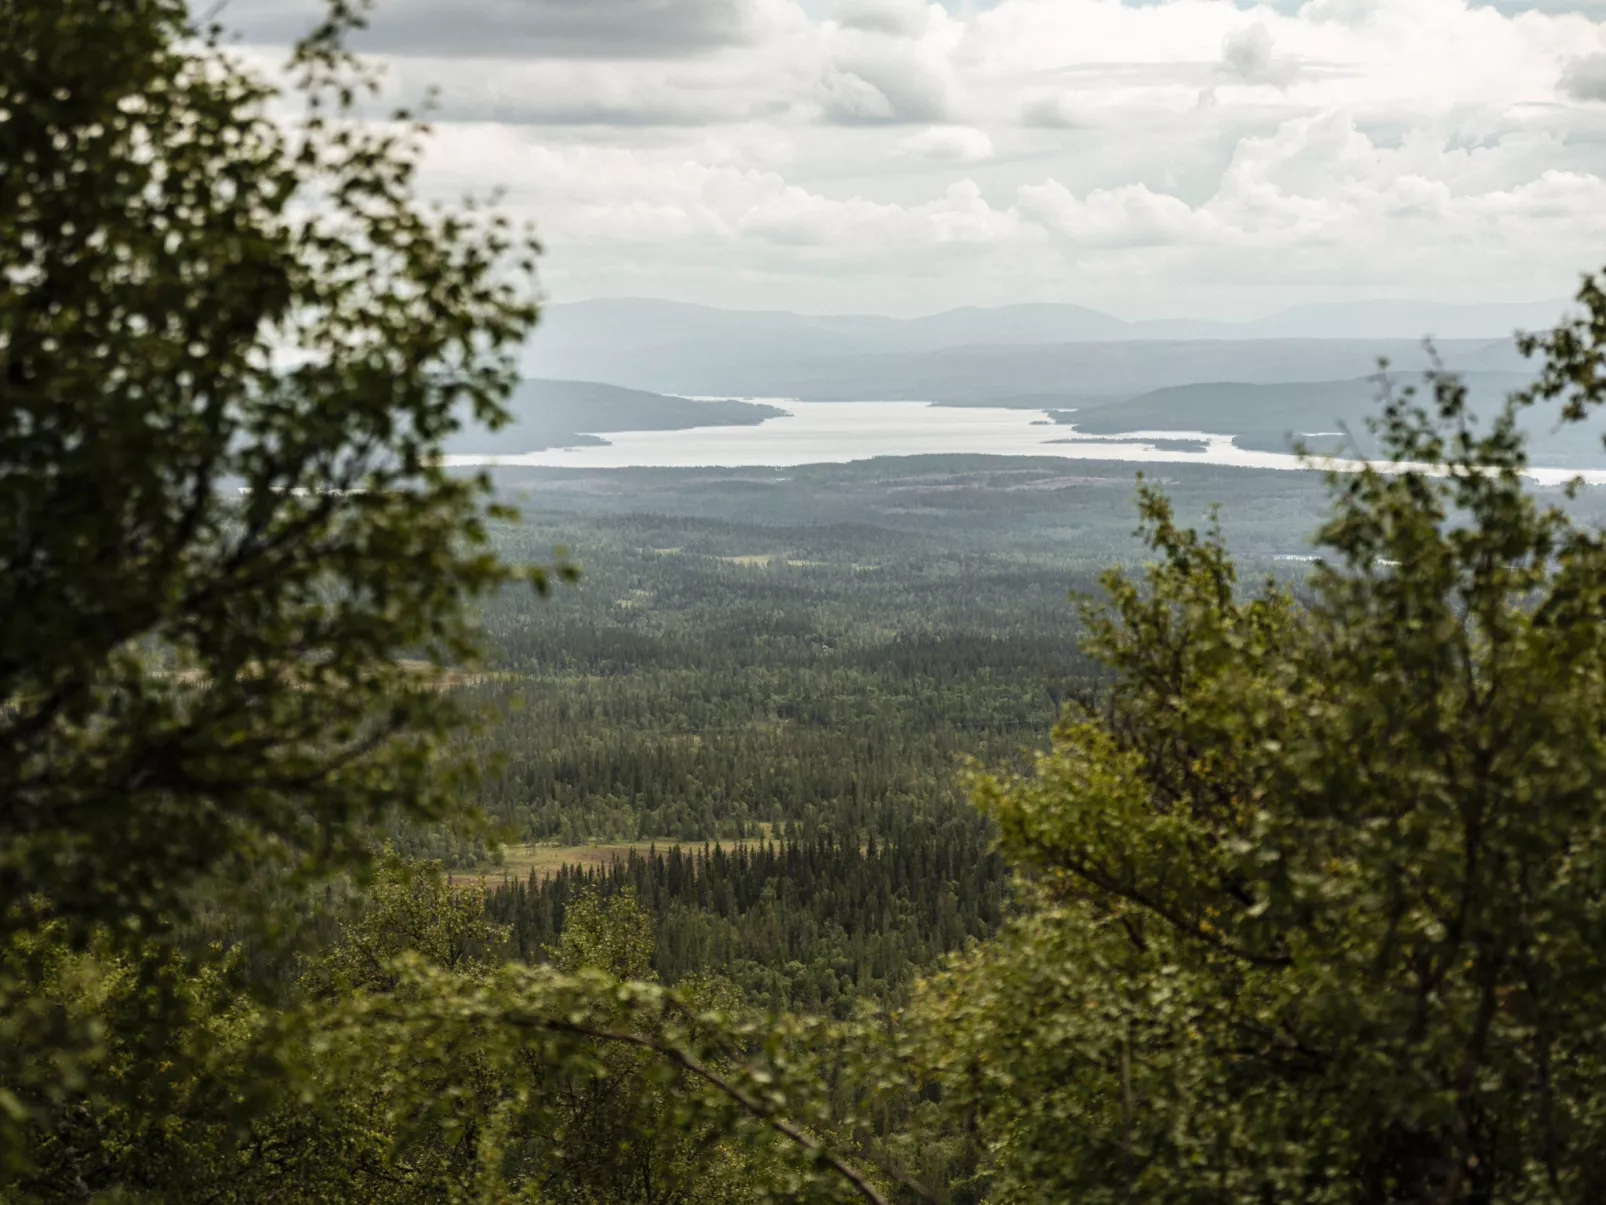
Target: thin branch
(1180, 923)
(746, 1101)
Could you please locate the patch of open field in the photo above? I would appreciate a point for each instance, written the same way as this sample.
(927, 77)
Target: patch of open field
(770, 558)
(443, 677)
(448, 677)
(519, 862)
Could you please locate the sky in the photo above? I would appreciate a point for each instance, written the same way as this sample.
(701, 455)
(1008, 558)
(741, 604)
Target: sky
(1168, 158)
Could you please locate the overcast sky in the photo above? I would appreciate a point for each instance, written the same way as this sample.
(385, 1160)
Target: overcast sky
(1158, 159)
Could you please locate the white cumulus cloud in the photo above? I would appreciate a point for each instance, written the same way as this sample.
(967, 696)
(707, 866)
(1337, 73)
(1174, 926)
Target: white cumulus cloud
(1584, 78)
(1251, 55)
(900, 18)
(948, 144)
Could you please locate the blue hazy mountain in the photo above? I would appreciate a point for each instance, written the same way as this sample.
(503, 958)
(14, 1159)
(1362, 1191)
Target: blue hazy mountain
(977, 354)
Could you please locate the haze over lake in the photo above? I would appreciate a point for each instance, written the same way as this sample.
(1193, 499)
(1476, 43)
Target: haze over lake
(839, 432)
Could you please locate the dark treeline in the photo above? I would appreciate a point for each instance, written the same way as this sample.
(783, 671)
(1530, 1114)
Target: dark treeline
(812, 923)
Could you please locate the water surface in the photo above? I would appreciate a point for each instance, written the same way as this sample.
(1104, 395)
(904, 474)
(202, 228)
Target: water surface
(838, 432)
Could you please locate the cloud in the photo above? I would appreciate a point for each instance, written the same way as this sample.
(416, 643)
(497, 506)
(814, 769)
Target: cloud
(872, 78)
(1251, 55)
(519, 28)
(1344, 12)
(899, 18)
(1049, 111)
(589, 195)
(1596, 8)
(1128, 216)
(730, 89)
(1220, 146)
(848, 97)
(1314, 195)
(1585, 78)
(948, 144)
(798, 217)
(888, 61)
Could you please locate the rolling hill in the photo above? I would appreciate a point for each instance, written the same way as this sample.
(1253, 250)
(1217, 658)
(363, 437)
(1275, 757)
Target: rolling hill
(556, 414)
(1329, 416)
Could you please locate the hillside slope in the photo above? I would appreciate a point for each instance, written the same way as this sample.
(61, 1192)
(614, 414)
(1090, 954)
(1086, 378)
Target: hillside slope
(559, 414)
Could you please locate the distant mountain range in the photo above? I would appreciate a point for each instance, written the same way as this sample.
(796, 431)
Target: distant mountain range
(978, 355)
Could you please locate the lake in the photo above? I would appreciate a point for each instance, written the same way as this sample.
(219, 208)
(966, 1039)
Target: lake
(838, 432)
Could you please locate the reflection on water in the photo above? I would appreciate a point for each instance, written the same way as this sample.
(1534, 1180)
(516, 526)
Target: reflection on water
(837, 432)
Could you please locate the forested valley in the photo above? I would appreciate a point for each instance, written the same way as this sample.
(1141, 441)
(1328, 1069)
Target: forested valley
(778, 734)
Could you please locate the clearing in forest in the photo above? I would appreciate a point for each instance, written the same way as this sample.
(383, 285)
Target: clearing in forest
(521, 861)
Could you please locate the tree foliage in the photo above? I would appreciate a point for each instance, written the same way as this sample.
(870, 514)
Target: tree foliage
(1319, 889)
(423, 1066)
(230, 349)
